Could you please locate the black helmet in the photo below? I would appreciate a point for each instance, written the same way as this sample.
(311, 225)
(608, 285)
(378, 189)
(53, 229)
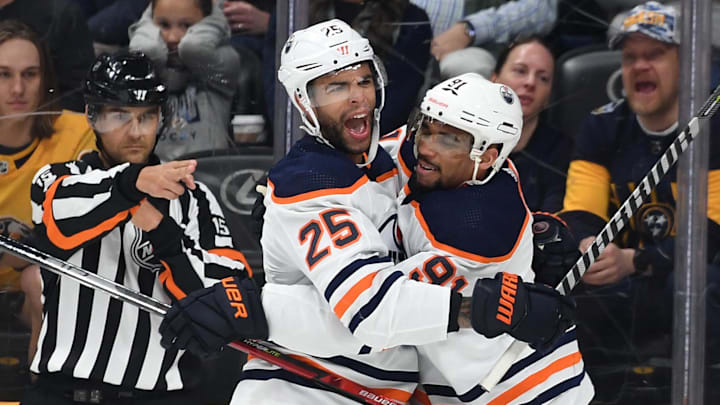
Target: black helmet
(123, 78)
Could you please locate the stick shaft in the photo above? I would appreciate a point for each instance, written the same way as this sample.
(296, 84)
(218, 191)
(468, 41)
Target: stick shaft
(257, 348)
(616, 224)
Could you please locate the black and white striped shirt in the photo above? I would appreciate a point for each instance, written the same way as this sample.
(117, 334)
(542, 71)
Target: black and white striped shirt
(82, 213)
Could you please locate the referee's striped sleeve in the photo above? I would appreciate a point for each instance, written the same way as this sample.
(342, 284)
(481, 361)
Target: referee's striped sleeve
(74, 205)
(195, 246)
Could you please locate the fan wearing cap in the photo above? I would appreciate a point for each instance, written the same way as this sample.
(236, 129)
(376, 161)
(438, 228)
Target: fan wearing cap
(616, 148)
(149, 226)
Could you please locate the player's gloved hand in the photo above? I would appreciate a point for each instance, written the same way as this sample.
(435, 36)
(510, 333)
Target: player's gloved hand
(258, 209)
(209, 318)
(532, 313)
(555, 248)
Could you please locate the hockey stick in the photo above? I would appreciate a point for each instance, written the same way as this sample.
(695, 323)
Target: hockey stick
(257, 348)
(616, 224)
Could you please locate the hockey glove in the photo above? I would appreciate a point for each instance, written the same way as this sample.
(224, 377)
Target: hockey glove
(258, 210)
(532, 313)
(555, 248)
(209, 318)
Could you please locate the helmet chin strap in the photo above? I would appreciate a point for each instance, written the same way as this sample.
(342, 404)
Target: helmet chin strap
(374, 139)
(475, 156)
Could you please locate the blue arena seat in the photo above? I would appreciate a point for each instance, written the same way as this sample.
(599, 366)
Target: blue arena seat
(585, 79)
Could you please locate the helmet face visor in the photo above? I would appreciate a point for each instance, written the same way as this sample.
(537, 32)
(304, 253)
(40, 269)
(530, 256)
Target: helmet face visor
(444, 138)
(112, 119)
(356, 82)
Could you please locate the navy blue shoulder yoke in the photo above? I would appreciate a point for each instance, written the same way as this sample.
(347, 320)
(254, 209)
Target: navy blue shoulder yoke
(485, 220)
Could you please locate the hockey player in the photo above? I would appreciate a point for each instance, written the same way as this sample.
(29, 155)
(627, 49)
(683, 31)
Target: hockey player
(327, 229)
(463, 204)
(122, 214)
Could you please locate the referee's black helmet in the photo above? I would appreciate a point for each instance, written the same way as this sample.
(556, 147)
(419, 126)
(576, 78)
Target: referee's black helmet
(124, 78)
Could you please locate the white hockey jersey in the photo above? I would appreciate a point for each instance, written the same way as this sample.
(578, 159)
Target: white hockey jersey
(327, 229)
(475, 232)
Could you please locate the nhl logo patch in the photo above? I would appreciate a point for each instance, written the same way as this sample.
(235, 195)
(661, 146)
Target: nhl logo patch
(506, 94)
(4, 167)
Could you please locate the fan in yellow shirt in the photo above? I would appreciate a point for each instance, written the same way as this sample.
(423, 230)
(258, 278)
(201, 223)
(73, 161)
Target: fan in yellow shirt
(31, 136)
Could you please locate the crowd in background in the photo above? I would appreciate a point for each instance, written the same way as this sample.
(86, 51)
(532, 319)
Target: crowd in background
(217, 59)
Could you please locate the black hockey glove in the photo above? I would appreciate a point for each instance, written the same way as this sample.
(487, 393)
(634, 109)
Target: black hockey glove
(532, 313)
(258, 209)
(209, 318)
(555, 249)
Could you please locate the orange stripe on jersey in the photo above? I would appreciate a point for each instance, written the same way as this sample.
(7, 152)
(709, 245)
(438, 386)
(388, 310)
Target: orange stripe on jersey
(392, 393)
(350, 296)
(421, 397)
(389, 175)
(511, 165)
(536, 379)
(233, 254)
(317, 193)
(462, 253)
(392, 135)
(72, 242)
(167, 280)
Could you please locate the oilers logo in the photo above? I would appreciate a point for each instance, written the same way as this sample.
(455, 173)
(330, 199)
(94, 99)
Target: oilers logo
(506, 94)
(657, 221)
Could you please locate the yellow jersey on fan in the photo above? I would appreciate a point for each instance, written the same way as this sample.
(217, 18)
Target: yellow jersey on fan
(72, 137)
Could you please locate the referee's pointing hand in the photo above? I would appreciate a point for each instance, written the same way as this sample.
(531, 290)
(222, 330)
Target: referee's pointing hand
(167, 180)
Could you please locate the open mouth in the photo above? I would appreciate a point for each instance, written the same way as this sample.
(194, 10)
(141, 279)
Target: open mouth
(645, 87)
(358, 125)
(424, 167)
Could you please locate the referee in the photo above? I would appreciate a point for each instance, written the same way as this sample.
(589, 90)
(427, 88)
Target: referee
(122, 214)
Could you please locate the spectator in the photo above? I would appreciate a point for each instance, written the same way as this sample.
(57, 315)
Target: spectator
(442, 13)
(542, 154)
(188, 40)
(249, 22)
(616, 25)
(493, 25)
(626, 300)
(29, 141)
(109, 20)
(62, 25)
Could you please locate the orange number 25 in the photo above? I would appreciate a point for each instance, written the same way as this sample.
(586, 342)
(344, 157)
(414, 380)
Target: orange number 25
(343, 233)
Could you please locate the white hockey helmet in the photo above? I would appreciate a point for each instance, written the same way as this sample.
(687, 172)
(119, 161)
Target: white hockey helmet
(320, 49)
(490, 112)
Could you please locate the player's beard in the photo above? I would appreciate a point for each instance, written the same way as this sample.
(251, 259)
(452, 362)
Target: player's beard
(416, 187)
(334, 130)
